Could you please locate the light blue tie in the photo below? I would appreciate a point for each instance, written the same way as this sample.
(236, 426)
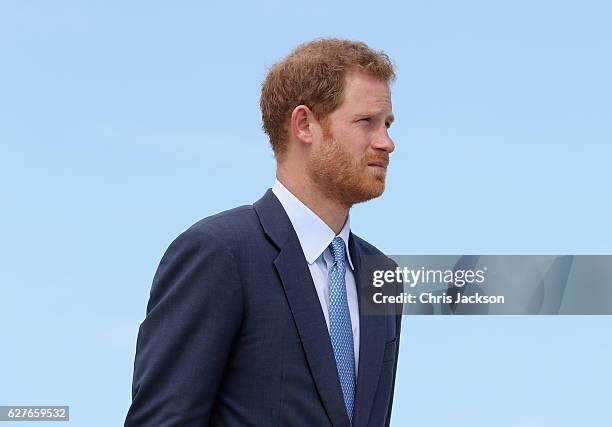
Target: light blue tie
(340, 328)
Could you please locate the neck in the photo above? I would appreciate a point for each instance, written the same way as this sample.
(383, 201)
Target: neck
(332, 212)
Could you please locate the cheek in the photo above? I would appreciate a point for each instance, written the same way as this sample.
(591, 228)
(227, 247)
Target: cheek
(357, 140)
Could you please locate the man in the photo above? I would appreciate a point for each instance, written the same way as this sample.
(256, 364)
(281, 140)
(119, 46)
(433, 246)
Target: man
(254, 317)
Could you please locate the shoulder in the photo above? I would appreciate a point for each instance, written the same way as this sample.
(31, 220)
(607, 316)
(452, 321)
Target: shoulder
(226, 229)
(365, 247)
(371, 255)
(236, 221)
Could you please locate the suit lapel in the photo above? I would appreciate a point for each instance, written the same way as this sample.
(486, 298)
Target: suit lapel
(305, 306)
(371, 347)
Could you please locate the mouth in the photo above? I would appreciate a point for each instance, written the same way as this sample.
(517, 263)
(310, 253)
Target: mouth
(379, 164)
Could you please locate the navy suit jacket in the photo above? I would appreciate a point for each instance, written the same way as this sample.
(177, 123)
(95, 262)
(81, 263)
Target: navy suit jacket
(235, 335)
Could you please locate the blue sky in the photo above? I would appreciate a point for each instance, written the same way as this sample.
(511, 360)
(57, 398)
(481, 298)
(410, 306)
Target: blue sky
(122, 124)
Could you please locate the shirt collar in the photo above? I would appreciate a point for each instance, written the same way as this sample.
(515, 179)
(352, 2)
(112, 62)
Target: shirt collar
(314, 235)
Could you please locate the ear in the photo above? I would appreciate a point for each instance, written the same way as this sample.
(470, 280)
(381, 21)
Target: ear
(302, 119)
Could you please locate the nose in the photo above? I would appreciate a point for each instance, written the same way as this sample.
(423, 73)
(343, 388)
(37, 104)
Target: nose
(384, 142)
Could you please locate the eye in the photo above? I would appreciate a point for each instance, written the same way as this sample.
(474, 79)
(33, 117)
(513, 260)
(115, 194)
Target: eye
(366, 120)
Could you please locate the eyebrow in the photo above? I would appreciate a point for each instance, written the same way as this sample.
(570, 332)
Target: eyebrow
(390, 118)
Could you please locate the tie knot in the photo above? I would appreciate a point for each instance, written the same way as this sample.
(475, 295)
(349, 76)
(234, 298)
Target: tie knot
(337, 249)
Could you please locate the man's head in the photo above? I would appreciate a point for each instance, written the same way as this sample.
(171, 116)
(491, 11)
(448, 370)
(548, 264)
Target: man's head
(326, 108)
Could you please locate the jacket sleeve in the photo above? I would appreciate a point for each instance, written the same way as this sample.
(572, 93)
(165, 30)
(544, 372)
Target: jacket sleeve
(398, 310)
(399, 330)
(193, 316)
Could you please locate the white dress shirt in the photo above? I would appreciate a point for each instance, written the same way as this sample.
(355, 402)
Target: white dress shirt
(315, 237)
